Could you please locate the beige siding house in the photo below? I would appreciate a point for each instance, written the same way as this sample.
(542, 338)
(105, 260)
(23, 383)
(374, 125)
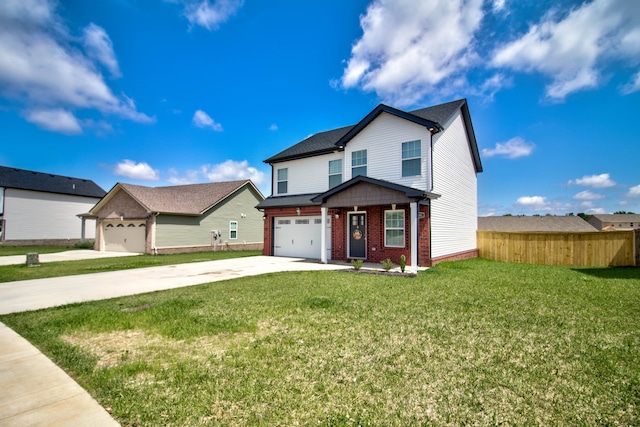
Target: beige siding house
(185, 218)
(41, 208)
(612, 222)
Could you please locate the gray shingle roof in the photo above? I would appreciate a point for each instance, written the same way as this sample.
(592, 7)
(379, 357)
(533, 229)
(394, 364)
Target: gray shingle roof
(48, 183)
(534, 224)
(325, 142)
(618, 217)
(193, 199)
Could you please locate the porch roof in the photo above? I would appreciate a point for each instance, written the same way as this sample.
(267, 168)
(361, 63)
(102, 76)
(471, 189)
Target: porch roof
(408, 192)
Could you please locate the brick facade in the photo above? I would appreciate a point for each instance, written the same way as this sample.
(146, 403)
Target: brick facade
(376, 250)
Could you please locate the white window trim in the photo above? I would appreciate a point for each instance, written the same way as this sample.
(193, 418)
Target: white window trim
(231, 230)
(335, 174)
(364, 165)
(278, 181)
(404, 228)
(411, 158)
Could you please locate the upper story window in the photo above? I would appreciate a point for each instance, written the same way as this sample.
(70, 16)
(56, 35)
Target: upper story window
(394, 229)
(233, 229)
(335, 172)
(283, 177)
(411, 163)
(359, 163)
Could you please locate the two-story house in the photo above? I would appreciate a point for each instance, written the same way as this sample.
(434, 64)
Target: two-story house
(396, 183)
(609, 222)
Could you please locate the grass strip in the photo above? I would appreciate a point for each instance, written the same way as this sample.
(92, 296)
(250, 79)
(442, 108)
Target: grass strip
(11, 273)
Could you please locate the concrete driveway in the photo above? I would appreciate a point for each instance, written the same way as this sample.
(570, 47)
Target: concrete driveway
(28, 295)
(35, 391)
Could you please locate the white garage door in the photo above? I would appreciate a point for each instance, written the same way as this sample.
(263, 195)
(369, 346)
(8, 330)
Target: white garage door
(124, 237)
(299, 237)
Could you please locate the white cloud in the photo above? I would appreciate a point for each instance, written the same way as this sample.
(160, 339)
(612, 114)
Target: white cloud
(98, 45)
(231, 170)
(588, 195)
(133, 170)
(203, 120)
(40, 69)
(512, 149)
(596, 181)
(55, 120)
(595, 211)
(533, 202)
(632, 86)
(273, 127)
(408, 47)
(208, 15)
(634, 191)
(570, 49)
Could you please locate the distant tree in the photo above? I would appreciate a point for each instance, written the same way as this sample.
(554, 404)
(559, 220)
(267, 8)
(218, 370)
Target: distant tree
(536, 215)
(623, 213)
(570, 214)
(584, 216)
(507, 215)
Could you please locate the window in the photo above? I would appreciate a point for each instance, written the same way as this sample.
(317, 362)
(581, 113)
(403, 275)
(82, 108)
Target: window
(394, 229)
(233, 229)
(335, 173)
(283, 176)
(358, 163)
(411, 163)
(302, 221)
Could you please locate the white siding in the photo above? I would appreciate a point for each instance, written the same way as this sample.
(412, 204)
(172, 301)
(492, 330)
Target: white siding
(454, 216)
(34, 215)
(306, 176)
(383, 140)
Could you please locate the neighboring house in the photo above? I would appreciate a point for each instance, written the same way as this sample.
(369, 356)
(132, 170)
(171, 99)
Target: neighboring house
(612, 222)
(525, 224)
(42, 208)
(396, 183)
(183, 218)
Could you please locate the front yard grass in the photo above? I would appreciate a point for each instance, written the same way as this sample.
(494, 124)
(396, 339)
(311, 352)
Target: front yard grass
(11, 273)
(23, 250)
(472, 342)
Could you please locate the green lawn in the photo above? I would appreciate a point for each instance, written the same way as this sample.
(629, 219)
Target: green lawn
(23, 250)
(471, 342)
(11, 273)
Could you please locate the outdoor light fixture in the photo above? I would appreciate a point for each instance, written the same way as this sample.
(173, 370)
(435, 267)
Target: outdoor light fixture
(298, 211)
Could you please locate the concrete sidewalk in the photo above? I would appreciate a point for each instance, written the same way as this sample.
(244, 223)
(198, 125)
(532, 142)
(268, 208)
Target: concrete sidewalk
(72, 255)
(35, 391)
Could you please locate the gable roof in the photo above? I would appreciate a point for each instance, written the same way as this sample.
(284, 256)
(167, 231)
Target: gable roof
(432, 118)
(193, 199)
(534, 224)
(617, 217)
(23, 179)
(410, 192)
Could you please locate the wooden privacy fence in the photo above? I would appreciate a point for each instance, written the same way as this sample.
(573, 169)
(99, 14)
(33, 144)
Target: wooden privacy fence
(598, 249)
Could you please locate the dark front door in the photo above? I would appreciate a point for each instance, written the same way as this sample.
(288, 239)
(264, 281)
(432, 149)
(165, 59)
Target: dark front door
(357, 236)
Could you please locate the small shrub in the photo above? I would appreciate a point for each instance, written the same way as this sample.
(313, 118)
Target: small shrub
(403, 262)
(387, 264)
(84, 245)
(357, 264)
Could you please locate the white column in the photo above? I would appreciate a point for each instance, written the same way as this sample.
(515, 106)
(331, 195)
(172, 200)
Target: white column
(414, 236)
(323, 235)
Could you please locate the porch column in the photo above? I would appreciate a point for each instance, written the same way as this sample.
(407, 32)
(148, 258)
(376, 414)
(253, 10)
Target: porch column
(323, 235)
(82, 229)
(414, 235)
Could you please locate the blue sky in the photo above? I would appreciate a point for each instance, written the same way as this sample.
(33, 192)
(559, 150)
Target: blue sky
(170, 92)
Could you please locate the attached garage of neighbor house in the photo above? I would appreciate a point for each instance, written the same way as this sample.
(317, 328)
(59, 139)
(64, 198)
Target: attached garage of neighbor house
(124, 236)
(299, 236)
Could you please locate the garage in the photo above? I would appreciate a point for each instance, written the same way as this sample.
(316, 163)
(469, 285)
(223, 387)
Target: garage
(299, 237)
(124, 236)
